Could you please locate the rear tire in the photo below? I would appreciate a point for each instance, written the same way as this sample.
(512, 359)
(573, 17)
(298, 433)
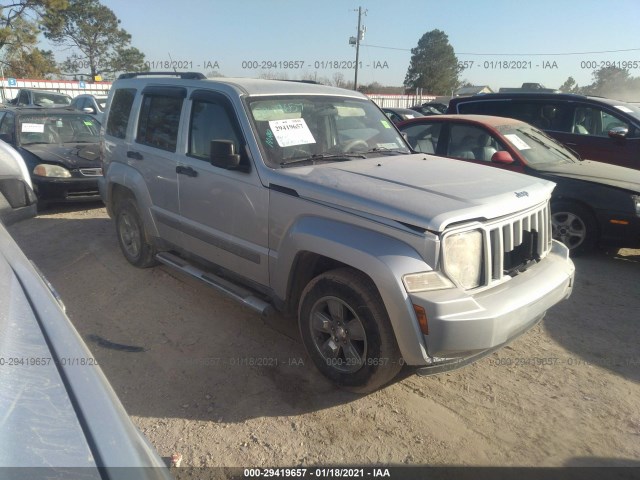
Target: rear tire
(134, 241)
(346, 331)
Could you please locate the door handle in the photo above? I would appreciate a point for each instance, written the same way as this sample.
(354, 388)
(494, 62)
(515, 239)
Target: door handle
(134, 155)
(188, 171)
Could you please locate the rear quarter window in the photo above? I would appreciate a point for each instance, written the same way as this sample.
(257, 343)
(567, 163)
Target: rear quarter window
(119, 113)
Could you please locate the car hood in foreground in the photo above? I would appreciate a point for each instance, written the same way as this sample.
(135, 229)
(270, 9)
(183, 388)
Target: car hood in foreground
(71, 155)
(597, 172)
(39, 422)
(420, 190)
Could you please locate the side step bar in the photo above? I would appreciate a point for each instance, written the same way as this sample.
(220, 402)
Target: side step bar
(238, 293)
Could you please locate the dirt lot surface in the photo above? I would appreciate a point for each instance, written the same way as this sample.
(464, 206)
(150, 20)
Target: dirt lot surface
(224, 387)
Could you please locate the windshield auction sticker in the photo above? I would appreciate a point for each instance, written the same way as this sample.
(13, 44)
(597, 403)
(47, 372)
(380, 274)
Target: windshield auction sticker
(290, 132)
(33, 127)
(517, 141)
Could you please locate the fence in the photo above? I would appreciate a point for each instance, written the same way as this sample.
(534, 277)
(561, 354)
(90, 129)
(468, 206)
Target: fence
(9, 87)
(399, 101)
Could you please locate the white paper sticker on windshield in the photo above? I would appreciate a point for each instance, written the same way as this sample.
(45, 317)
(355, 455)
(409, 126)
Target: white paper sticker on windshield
(33, 127)
(623, 108)
(517, 141)
(293, 131)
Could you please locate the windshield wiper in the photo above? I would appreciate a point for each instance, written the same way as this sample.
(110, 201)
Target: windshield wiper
(340, 157)
(386, 150)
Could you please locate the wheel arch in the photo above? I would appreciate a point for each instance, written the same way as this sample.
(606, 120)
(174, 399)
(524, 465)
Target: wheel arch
(316, 245)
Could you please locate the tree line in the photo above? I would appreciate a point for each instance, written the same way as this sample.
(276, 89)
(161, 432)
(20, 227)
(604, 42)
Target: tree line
(100, 47)
(92, 32)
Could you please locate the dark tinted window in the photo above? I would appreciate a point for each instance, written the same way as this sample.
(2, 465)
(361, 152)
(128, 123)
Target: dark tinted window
(7, 123)
(119, 113)
(159, 121)
(210, 121)
(546, 115)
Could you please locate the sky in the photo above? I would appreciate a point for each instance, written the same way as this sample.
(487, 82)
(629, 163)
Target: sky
(504, 42)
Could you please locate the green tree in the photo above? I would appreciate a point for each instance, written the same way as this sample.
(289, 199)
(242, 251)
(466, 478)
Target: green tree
(434, 66)
(93, 30)
(570, 86)
(19, 32)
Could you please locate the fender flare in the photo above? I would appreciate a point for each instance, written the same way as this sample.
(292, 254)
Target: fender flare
(120, 174)
(382, 258)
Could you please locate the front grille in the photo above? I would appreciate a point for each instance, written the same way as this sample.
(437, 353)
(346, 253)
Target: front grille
(513, 243)
(91, 172)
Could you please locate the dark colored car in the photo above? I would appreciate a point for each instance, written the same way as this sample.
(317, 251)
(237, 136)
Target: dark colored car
(30, 97)
(596, 128)
(593, 203)
(397, 115)
(426, 109)
(60, 416)
(60, 148)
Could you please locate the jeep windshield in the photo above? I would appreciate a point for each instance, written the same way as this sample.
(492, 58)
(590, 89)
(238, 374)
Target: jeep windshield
(296, 130)
(536, 147)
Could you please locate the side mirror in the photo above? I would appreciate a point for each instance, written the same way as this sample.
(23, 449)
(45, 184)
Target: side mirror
(17, 199)
(503, 157)
(619, 133)
(222, 154)
(7, 137)
(89, 110)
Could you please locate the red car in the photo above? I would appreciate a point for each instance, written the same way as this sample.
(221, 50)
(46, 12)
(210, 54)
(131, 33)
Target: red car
(593, 203)
(597, 128)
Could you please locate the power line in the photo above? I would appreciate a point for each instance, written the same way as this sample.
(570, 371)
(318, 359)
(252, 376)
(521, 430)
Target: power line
(513, 54)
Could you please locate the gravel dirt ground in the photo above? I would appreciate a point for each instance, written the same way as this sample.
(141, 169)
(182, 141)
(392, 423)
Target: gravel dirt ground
(225, 387)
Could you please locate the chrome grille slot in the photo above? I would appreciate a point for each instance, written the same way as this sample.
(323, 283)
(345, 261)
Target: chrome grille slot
(514, 242)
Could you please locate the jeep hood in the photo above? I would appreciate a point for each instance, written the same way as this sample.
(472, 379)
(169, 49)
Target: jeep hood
(420, 190)
(596, 172)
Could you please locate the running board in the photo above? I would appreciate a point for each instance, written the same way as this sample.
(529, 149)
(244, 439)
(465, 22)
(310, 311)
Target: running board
(238, 293)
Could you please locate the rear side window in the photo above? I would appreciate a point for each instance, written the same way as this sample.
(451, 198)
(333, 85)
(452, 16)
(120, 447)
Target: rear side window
(119, 113)
(159, 121)
(546, 115)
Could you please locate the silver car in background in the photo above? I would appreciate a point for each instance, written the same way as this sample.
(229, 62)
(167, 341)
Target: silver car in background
(58, 414)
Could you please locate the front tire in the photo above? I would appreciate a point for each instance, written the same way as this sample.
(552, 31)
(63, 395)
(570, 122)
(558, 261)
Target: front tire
(575, 226)
(132, 237)
(346, 331)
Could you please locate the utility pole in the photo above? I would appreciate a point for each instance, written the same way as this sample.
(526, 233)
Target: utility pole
(356, 41)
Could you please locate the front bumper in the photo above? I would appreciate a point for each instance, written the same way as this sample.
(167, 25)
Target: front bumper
(464, 327)
(72, 189)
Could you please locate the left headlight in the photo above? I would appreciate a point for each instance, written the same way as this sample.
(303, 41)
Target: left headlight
(46, 170)
(463, 258)
(636, 203)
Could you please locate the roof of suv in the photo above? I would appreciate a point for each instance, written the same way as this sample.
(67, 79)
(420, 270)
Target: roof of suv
(247, 86)
(534, 95)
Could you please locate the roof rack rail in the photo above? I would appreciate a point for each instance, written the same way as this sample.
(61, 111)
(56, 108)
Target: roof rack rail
(183, 75)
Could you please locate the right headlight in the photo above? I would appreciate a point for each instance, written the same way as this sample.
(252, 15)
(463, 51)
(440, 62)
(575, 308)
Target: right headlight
(463, 258)
(636, 203)
(47, 170)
